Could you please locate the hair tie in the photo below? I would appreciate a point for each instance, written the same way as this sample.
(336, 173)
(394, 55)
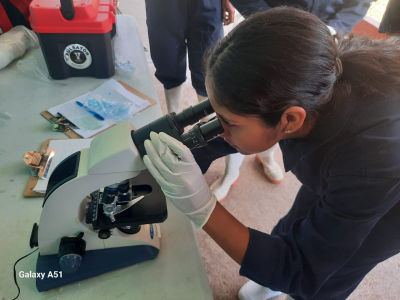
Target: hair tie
(339, 68)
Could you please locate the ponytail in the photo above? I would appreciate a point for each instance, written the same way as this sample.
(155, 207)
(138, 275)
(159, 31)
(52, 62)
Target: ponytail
(369, 66)
(286, 57)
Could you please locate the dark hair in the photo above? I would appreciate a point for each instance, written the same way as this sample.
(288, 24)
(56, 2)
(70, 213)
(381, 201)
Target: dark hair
(287, 57)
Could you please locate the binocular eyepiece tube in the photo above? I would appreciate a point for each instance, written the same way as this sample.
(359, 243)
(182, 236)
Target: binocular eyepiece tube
(193, 114)
(174, 124)
(199, 135)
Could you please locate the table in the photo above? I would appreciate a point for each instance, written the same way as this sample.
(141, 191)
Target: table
(177, 272)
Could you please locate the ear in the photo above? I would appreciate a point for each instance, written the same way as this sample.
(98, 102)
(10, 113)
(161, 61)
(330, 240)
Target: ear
(292, 119)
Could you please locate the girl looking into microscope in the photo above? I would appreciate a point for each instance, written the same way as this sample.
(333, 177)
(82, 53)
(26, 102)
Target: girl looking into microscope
(279, 76)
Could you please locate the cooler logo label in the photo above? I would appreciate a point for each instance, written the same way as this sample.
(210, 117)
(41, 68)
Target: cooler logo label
(77, 56)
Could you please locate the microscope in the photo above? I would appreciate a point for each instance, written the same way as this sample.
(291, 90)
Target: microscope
(102, 207)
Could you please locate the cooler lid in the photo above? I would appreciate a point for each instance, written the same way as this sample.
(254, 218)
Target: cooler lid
(72, 16)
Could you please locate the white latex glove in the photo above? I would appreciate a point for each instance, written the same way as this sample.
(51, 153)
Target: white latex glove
(173, 166)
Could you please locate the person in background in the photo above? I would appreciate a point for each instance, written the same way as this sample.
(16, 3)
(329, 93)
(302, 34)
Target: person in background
(334, 109)
(180, 28)
(391, 21)
(340, 17)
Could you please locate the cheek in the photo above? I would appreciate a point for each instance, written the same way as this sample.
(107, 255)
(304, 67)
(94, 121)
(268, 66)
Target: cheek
(248, 141)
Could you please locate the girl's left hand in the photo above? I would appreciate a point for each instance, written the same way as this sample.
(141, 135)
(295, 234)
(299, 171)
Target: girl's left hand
(173, 166)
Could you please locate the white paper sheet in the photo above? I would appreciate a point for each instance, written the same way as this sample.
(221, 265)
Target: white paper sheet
(87, 123)
(63, 149)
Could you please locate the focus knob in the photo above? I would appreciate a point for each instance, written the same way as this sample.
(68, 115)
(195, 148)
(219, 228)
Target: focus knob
(71, 253)
(104, 234)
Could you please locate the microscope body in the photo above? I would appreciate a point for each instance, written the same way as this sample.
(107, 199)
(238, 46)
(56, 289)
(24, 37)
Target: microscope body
(110, 158)
(87, 226)
(69, 214)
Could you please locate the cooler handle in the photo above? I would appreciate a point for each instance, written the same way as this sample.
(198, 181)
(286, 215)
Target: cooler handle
(67, 9)
(113, 11)
(113, 6)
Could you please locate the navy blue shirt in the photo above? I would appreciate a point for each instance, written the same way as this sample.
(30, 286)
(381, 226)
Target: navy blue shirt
(346, 216)
(342, 15)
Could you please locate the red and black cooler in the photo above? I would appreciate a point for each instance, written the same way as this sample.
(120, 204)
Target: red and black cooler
(76, 36)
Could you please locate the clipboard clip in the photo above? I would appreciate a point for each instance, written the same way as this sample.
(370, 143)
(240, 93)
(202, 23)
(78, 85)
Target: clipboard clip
(39, 164)
(61, 123)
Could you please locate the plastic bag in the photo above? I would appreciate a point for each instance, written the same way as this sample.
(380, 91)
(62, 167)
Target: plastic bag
(123, 65)
(4, 115)
(110, 108)
(123, 53)
(15, 42)
(30, 67)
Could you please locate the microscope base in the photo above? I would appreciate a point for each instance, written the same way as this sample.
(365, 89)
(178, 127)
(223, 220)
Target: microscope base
(95, 262)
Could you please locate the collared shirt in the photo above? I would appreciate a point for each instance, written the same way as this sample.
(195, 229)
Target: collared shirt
(346, 217)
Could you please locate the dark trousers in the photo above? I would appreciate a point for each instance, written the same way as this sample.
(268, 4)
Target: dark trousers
(177, 25)
(249, 7)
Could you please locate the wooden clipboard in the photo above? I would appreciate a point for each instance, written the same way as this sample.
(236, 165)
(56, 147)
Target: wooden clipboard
(72, 134)
(29, 192)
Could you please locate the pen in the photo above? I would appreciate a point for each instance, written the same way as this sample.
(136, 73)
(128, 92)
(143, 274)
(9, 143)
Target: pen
(90, 111)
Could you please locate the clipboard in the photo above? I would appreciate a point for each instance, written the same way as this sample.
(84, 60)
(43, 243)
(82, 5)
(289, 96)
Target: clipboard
(29, 192)
(72, 134)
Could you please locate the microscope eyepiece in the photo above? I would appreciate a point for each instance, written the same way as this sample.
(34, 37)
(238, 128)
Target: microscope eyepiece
(199, 135)
(193, 114)
(174, 124)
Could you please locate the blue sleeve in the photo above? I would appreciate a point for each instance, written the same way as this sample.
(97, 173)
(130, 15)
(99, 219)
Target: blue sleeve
(299, 261)
(348, 15)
